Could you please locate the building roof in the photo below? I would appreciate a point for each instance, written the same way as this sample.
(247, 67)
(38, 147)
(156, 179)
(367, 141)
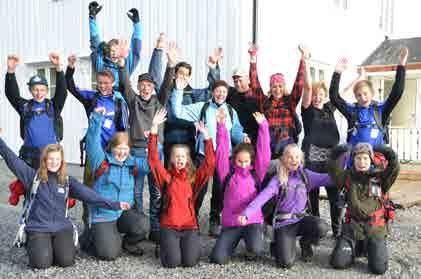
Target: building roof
(387, 53)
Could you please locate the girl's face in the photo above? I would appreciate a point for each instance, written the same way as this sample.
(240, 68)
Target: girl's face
(220, 94)
(179, 158)
(292, 159)
(362, 162)
(277, 90)
(53, 161)
(364, 95)
(318, 98)
(121, 152)
(243, 159)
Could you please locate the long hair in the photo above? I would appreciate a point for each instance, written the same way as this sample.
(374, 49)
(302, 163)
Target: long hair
(283, 172)
(43, 171)
(191, 169)
(118, 138)
(243, 147)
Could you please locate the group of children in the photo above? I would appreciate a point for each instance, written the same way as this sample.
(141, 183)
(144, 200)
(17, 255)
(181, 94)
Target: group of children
(179, 138)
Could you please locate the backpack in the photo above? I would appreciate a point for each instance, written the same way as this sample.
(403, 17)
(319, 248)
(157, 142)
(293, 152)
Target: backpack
(298, 126)
(202, 116)
(27, 114)
(270, 206)
(377, 115)
(105, 165)
(21, 239)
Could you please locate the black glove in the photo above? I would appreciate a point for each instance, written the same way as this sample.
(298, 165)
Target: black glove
(133, 14)
(94, 9)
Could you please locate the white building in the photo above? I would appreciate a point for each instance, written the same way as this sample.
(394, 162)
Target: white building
(331, 28)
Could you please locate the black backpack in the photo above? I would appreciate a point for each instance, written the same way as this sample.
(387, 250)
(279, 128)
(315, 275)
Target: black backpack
(27, 114)
(377, 115)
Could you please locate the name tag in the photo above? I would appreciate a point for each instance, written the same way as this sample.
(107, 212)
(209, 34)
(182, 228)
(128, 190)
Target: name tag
(60, 190)
(107, 124)
(374, 133)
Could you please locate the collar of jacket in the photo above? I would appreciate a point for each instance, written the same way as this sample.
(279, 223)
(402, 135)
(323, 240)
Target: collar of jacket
(242, 171)
(129, 162)
(148, 104)
(296, 173)
(183, 173)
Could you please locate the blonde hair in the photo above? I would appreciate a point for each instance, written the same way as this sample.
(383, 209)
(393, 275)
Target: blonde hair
(363, 83)
(283, 172)
(117, 139)
(191, 169)
(284, 89)
(316, 86)
(43, 171)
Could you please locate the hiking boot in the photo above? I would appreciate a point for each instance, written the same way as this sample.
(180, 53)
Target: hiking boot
(133, 248)
(154, 236)
(214, 228)
(306, 250)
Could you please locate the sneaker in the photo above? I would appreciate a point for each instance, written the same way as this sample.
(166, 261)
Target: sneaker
(133, 249)
(306, 250)
(214, 229)
(154, 236)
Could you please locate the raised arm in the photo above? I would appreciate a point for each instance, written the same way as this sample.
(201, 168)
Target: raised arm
(125, 86)
(168, 83)
(70, 82)
(336, 164)
(334, 96)
(18, 167)
(393, 167)
(307, 93)
(222, 146)
(61, 90)
(271, 190)
(263, 153)
(398, 86)
(97, 57)
(237, 131)
(96, 154)
(255, 86)
(11, 85)
(155, 65)
(349, 89)
(187, 112)
(301, 78)
(136, 43)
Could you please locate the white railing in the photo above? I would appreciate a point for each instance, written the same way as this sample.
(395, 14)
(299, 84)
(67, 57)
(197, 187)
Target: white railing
(406, 142)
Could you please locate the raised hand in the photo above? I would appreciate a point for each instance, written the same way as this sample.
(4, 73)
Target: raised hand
(220, 116)
(242, 220)
(133, 14)
(124, 205)
(216, 57)
(361, 72)
(100, 110)
(94, 9)
(260, 117)
(55, 59)
(161, 42)
(159, 117)
(403, 56)
(253, 49)
(203, 129)
(246, 139)
(181, 83)
(172, 53)
(341, 66)
(12, 61)
(124, 48)
(305, 52)
(71, 61)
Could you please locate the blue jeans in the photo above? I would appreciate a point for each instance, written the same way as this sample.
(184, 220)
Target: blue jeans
(154, 203)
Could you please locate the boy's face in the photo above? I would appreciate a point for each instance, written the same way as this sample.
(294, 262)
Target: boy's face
(362, 162)
(39, 92)
(114, 53)
(104, 85)
(183, 73)
(364, 95)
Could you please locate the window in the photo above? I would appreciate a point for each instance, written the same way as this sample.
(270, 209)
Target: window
(321, 75)
(313, 73)
(50, 75)
(93, 78)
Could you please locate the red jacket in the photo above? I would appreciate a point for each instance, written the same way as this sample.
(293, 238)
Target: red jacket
(180, 195)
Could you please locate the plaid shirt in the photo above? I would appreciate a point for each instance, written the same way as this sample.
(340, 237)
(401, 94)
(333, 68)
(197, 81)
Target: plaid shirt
(278, 112)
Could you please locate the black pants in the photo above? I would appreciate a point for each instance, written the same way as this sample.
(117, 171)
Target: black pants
(106, 235)
(332, 194)
(230, 237)
(344, 254)
(47, 249)
(179, 248)
(310, 228)
(216, 201)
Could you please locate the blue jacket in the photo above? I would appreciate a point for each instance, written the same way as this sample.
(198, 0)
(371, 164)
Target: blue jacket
(117, 183)
(48, 209)
(100, 62)
(192, 113)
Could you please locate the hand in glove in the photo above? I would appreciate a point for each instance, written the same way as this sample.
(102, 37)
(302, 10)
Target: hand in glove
(133, 14)
(94, 9)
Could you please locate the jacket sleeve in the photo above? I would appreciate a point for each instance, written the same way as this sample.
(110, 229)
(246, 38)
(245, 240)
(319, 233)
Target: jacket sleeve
(335, 99)
(93, 141)
(12, 92)
(97, 57)
(271, 190)
(61, 93)
(297, 89)
(126, 89)
(237, 134)
(89, 196)
(160, 174)
(206, 169)
(19, 168)
(338, 159)
(393, 167)
(155, 68)
(317, 180)
(166, 86)
(187, 112)
(71, 86)
(222, 152)
(263, 153)
(395, 94)
(255, 86)
(135, 46)
(214, 74)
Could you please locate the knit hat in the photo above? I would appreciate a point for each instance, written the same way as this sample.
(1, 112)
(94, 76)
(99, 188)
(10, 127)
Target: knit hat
(37, 79)
(278, 78)
(363, 148)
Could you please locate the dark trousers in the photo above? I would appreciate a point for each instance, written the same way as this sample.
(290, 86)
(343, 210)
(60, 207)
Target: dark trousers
(217, 198)
(310, 228)
(332, 194)
(345, 251)
(88, 180)
(106, 235)
(230, 237)
(47, 249)
(179, 248)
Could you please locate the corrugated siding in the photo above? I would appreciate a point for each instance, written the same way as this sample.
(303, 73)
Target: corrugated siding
(32, 28)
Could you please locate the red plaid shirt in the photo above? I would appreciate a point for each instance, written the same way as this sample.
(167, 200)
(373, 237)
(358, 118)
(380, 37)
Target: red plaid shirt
(278, 112)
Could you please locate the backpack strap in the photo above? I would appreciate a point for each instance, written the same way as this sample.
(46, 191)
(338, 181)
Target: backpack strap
(93, 103)
(377, 116)
(66, 198)
(202, 116)
(118, 114)
(105, 165)
(227, 179)
(257, 183)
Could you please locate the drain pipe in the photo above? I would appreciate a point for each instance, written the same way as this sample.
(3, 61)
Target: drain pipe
(255, 20)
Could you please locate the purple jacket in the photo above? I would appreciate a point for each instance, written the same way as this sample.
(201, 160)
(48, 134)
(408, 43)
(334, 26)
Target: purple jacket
(294, 201)
(241, 189)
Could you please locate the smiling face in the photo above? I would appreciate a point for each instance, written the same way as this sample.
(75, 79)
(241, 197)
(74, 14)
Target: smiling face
(364, 93)
(105, 84)
(292, 158)
(220, 94)
(121, 152)
(318, 98)
(243, 159)
(53, 161)
(39, 92)
(241, 83)
(179, 157)
(183, 72)
(114, 52)
(146, 89)
(362, 162)
(277, 90)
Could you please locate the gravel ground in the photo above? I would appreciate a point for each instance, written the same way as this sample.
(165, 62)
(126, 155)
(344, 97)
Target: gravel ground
(404, 244)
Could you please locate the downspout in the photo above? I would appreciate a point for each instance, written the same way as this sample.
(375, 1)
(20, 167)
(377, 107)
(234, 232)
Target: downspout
(255, 20)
